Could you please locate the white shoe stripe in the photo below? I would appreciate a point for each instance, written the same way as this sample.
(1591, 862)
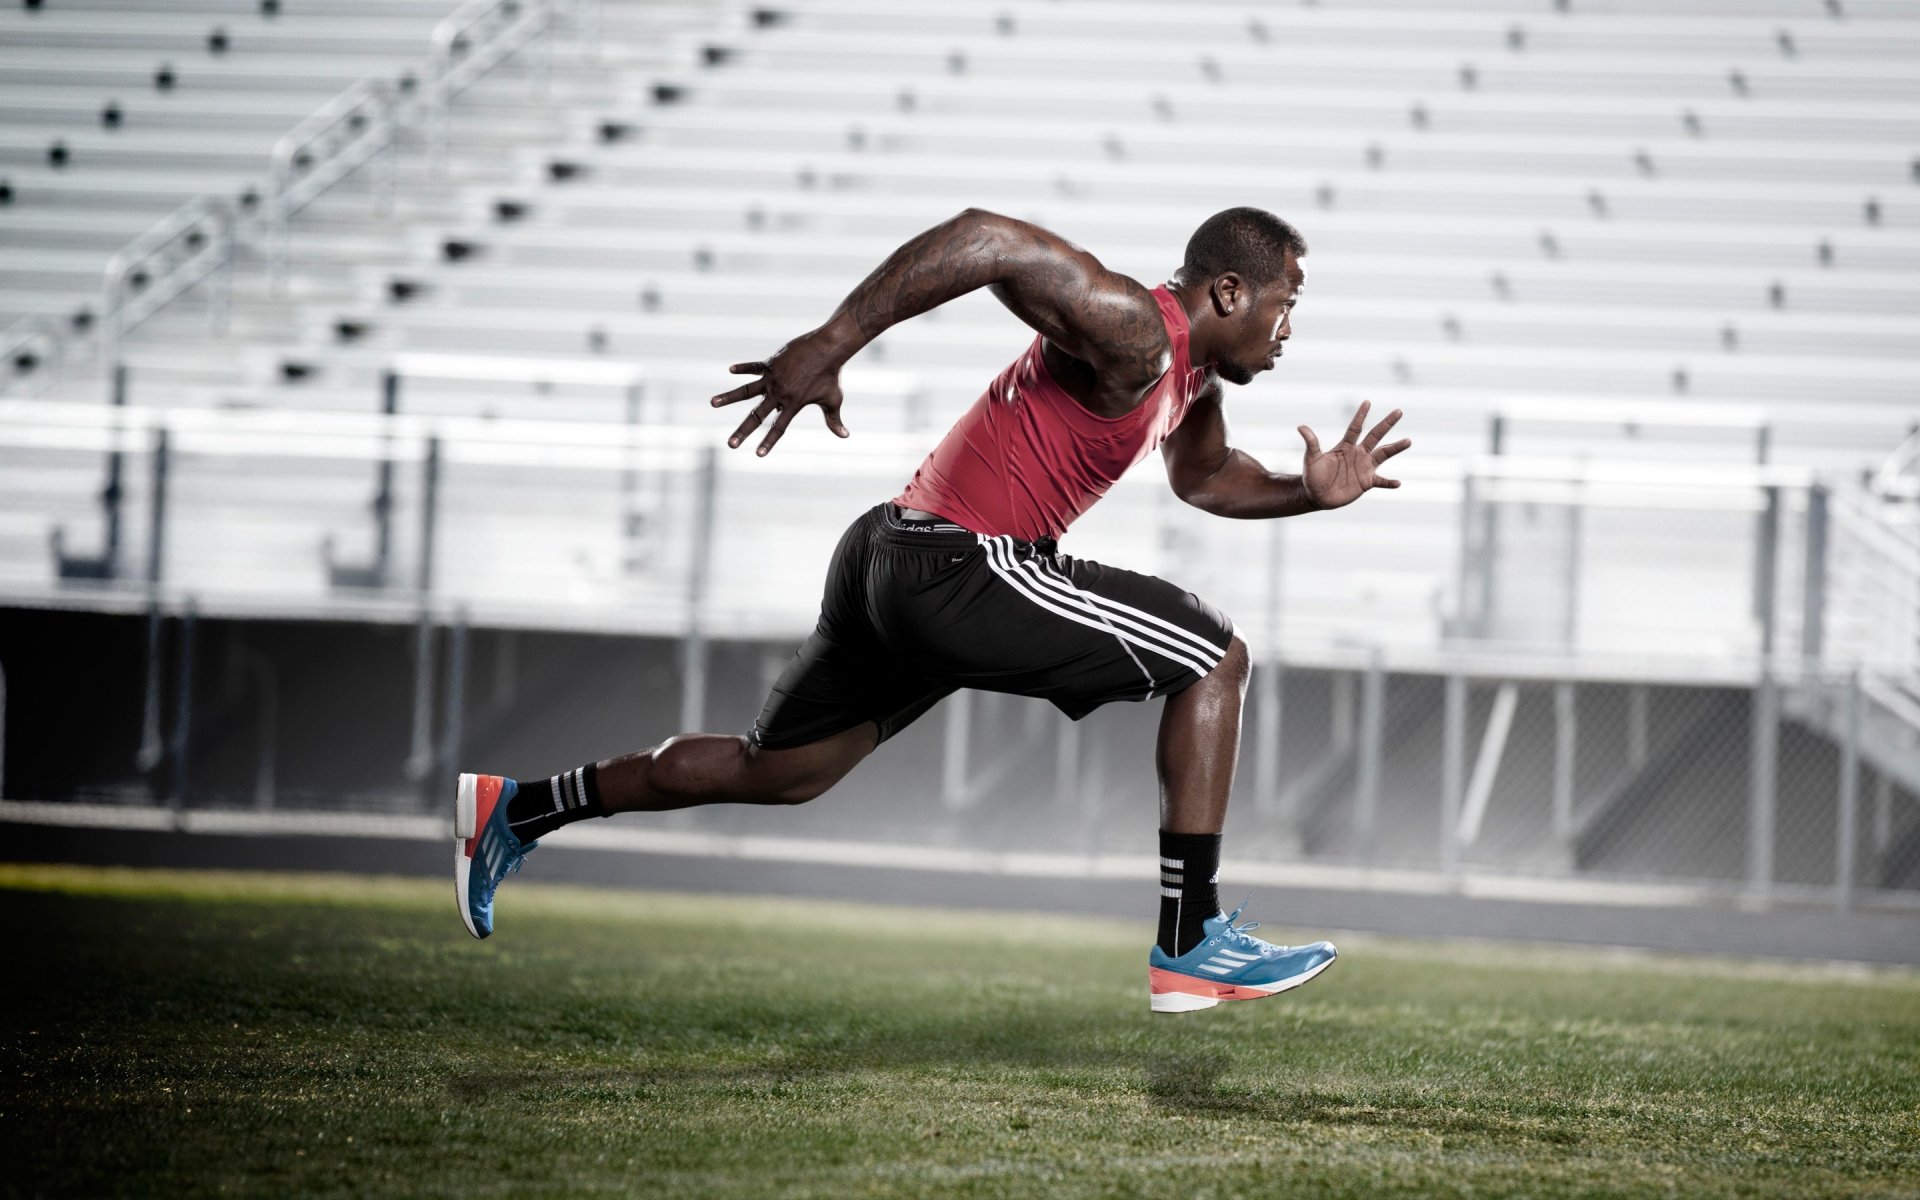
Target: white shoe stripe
(1209, 967)
(1180, 633)
(995, 550)
(1240, 956)
(1091, 601)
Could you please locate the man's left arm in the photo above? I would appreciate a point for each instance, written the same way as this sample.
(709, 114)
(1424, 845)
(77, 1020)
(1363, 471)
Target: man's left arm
(1212, 476)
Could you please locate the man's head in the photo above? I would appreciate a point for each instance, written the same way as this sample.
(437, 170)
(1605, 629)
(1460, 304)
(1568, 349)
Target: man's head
(1247, 263)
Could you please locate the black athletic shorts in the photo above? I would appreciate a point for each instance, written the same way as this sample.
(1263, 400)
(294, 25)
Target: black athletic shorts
(916, 610)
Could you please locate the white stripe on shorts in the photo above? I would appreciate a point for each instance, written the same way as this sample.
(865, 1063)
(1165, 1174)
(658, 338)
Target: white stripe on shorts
(997, 553)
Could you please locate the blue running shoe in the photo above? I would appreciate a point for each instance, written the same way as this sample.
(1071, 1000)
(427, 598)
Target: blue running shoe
(484, 848)
(1230, 964)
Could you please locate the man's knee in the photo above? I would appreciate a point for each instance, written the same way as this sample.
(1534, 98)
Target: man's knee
(1235, 666)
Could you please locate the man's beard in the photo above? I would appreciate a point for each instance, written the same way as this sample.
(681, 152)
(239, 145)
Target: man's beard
(1234, 372)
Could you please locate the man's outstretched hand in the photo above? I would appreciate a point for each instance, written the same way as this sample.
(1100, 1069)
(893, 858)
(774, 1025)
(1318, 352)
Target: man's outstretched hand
(800, 373)
(1343, 474)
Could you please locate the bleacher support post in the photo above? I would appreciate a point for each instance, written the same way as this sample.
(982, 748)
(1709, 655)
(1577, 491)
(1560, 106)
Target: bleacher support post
(151, 751)
(374, 573)
(1637, 726)
(454, 704)
(1366, 799)
(267, 687)
(1813, 591)
(1847, 833)
(1473, 602)
(1565, 735)
(693, 645)
(1570, 614)
(429, 517)
(420, 759)
(181, 743)
(1764, 737)
(420, 751)
(107, 564)
(1266, 691)
(1453, 764)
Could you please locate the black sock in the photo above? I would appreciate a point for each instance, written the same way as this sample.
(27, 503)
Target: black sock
(544, 805)
(1189, 878)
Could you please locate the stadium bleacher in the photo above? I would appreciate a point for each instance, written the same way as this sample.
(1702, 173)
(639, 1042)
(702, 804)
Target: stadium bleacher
(1635, 238)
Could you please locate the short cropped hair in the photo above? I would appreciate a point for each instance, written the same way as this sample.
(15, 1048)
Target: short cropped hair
(1249, 242)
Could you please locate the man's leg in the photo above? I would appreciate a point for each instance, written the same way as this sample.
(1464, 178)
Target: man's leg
(686, 771)
(708, 768)
(1199, 743)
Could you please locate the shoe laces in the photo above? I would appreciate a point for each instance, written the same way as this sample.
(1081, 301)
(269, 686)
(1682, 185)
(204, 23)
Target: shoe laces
(1239, 935)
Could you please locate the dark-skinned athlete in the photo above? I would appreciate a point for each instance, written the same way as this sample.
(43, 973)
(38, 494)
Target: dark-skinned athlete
(959, 581)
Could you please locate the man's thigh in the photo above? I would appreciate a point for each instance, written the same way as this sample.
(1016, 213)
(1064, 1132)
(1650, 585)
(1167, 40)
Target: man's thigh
(1072, 631)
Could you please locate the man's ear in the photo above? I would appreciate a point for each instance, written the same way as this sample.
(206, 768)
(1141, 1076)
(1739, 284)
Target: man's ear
(1228, 292)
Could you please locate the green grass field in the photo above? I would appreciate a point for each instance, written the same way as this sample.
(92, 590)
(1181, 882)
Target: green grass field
(170, 1033)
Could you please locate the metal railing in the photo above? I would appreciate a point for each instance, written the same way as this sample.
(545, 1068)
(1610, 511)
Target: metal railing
(194, 243)
(342, 134)
(472, 40)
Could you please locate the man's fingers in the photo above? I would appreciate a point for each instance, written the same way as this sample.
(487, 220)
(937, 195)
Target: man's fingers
(1313, 443)
(1385, 483)
(1359, 422)
(757, 388)
(746, 427)
(745, 391)
(832, 413)
(1388, 451)
(1380, 430)
(774, 431)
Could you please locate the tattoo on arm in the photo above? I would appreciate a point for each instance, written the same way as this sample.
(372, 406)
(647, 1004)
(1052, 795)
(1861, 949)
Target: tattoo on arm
(946, 261)
(1095, 315)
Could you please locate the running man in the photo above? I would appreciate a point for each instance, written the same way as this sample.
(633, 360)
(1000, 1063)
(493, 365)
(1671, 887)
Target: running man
(958, 581)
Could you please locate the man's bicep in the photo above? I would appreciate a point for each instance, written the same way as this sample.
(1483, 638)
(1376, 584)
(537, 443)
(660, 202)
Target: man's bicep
(1099, 316)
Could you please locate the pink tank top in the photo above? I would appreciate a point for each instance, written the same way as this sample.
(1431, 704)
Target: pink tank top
(1027, 459)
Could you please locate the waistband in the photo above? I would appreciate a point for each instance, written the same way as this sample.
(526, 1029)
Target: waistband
(926, 535)
(941, 534)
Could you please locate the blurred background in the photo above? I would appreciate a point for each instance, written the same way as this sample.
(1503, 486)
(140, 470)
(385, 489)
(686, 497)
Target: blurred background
(354, 430)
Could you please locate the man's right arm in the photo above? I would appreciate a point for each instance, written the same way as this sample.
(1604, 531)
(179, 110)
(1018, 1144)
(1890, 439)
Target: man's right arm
(1102, 318)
